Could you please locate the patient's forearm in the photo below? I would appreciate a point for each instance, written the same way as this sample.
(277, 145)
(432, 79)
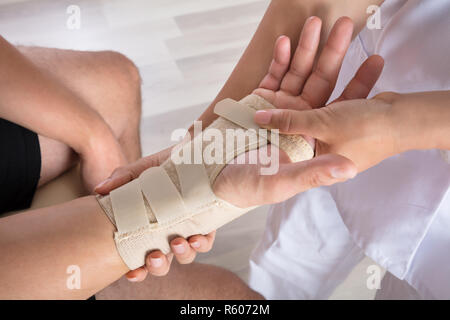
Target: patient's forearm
(284, 17)
(38, 247)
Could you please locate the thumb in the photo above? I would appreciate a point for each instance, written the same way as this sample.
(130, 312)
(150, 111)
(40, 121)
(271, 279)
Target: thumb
(287, 121)
(125, 174)
(324, 170)
(119, 177)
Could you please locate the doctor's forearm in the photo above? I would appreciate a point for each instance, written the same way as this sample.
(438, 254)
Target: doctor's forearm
(421, 120)
(284, 17)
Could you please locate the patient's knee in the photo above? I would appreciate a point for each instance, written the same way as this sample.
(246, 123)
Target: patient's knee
(124, 72)
(125, 87)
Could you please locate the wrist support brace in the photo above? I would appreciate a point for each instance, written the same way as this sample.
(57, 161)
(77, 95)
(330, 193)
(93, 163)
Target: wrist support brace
(176, 199)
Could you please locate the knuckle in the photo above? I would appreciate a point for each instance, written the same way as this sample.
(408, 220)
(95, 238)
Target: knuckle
(283, 120)
(119, 170)
(124, 172)
(316, 179)
(388, 96)
(322, 119)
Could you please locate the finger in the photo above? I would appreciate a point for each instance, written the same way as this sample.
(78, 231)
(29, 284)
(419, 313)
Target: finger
(303, 60)
(320, 171)
(157, 263)
(182, 251)
(306, 122)
(137, 275)
(119, 177)
(279, 64)
(125, 174)
(202, 243)
(268, 95)
(364, 80)
(320, 84)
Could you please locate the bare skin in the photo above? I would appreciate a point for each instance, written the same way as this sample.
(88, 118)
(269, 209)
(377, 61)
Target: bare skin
(115, 106)
(117, 99)
(39, 245)
(102, 133)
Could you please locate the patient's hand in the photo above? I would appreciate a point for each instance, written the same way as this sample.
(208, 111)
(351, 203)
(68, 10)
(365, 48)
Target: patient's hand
(184, 250)
(294, 85)
(306, 81)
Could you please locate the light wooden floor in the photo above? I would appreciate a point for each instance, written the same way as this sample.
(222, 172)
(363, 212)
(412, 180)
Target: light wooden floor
(185, 50)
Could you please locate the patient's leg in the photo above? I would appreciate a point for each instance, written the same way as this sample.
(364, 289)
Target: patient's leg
(56, 158)
(108, 82)
(193, 281)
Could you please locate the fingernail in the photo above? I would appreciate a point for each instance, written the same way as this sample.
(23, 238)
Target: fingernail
(156, 262)
(263, 116)
(178, 248)
(135, 279)
(195, 244)
(341, 173)
(101, 184)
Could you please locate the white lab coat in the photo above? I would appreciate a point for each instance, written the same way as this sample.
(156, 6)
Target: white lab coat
(398, 212)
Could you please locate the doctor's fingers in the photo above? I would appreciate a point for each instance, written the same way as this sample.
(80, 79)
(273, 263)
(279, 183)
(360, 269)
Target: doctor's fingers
(315, 123)
(364, 80)
(323, 170)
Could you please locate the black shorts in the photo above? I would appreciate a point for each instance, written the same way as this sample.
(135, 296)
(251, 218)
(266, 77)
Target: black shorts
(20, 166)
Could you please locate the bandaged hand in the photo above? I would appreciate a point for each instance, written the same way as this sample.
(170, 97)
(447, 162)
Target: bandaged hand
(288, 84)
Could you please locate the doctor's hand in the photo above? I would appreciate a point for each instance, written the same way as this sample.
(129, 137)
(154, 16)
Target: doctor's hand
(362, 130)
(368, 131)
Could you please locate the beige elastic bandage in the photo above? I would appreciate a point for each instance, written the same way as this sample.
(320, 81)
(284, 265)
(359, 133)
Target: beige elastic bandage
(176, 199)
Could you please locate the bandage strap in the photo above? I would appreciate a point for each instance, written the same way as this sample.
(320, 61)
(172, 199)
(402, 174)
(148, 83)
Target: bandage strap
(129, 208)
(243, 115)
(195, 186)
(166, 202)
(162, 196)
(238, 113)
